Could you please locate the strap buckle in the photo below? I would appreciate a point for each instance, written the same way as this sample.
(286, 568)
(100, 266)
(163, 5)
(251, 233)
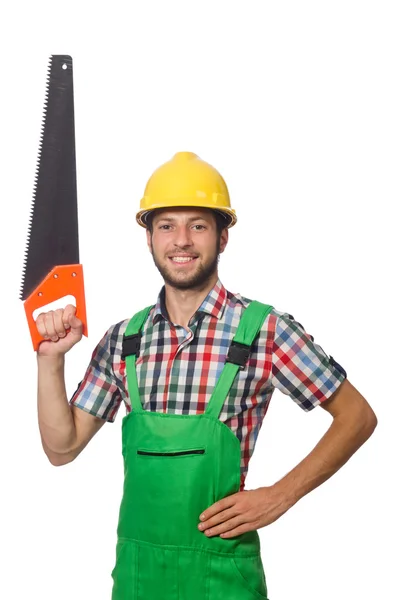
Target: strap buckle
(238, 354)
(131, 345)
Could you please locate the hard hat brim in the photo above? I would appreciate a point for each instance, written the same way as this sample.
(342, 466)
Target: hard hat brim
(228, 213)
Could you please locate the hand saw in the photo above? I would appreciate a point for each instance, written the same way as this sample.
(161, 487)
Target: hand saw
(51, 267)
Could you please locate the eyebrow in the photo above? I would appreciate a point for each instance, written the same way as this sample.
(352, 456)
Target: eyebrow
(190, 219)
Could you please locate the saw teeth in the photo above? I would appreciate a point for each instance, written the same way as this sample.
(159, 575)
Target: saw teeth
(36, 176)
(58, 88)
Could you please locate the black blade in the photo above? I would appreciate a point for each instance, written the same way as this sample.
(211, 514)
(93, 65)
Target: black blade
(53, 229)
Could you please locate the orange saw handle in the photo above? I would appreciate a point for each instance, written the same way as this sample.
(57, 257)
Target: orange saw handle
(61, 281)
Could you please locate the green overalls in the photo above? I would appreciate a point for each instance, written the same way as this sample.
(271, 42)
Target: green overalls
(176, 466)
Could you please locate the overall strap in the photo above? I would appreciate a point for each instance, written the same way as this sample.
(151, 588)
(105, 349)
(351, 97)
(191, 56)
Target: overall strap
(249, 327)
(131, 346)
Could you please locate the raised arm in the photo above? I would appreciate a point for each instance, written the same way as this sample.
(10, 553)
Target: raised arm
(64, 430)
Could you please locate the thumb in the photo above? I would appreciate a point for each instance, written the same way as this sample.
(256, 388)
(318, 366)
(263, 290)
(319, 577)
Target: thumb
(71, 321)
(76, 325)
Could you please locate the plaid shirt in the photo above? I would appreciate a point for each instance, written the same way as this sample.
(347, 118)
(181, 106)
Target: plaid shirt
(178, 368)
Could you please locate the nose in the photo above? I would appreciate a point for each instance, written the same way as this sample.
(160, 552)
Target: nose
(183, 236)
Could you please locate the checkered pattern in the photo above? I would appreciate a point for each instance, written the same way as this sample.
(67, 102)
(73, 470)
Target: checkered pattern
(177, 369)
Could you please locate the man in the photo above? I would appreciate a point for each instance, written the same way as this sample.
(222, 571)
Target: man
(196, 372)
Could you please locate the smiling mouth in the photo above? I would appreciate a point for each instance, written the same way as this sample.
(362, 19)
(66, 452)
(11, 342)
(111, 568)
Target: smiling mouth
(179, 260)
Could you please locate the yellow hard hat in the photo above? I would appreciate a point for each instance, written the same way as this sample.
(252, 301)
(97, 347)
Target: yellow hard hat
(186, 180)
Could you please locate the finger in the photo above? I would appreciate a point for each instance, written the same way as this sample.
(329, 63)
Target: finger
(237, 531)
(50, 325)
(58, 322)
(218, 506)
(224, 527)
(40, 324)
(68, 313)
(220, 517)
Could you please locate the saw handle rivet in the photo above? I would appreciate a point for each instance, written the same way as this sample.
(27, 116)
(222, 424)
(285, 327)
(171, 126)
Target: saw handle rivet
(74, 274)
(64, 66)
(40, 294)
(56, 276)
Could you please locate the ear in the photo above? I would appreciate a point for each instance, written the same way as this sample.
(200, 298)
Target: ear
(149, 240)
(224, 239)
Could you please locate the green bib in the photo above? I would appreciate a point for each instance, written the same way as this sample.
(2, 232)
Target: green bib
(176, 466)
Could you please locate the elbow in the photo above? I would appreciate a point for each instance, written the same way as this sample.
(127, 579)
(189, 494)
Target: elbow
(371, 421)
(59, 460)
(366, 423)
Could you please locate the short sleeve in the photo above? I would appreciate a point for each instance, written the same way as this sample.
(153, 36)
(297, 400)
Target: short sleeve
(300, 367)
(98, 393)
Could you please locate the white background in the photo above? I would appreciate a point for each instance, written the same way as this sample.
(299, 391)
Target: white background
(295, 104)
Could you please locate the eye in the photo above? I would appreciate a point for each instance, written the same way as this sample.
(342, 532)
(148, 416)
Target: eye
(202, 226)
(161, 226)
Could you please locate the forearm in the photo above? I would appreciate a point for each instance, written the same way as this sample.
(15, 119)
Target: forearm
(338, 444)
(55, 417)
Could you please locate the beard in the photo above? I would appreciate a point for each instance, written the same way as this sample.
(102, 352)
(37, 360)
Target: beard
(189, 281)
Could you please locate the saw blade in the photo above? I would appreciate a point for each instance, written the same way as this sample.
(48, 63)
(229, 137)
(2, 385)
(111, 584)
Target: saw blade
(53, 227)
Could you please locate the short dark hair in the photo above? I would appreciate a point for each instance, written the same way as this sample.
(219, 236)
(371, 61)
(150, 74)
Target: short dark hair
(221, 221)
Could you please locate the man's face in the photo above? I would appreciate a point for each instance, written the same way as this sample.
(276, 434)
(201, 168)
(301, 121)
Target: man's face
(185, 246)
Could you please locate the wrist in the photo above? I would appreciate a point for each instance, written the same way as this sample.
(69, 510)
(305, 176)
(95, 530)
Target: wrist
(55, 361)
(285, 493)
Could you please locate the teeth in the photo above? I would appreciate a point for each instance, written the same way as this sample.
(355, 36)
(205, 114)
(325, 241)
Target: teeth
(181, 259)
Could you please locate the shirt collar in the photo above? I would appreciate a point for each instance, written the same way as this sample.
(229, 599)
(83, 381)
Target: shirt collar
(213, 304)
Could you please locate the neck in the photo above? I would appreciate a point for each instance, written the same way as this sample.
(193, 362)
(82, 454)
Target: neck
(182, 304)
